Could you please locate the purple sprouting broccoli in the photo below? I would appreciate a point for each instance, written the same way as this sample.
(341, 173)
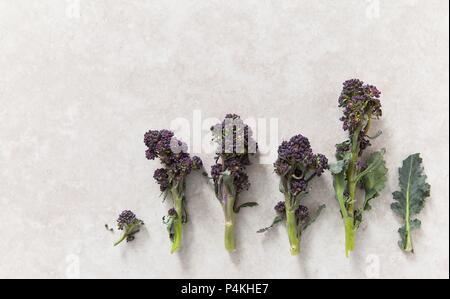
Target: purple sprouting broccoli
(235, 146)
(361, 105)
(130, 225)
(177, 165)
(296, 166)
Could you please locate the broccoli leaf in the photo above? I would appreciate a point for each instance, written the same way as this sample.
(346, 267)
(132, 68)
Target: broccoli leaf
(338, 171)
(311, 219)
(375, 179)
(338, 167)
(410, 200)
(228, 181)
(169, 222)
(245, 205)
(341, 165)
(343, 150)
(378, 134)
(282, 185)
(276, 221)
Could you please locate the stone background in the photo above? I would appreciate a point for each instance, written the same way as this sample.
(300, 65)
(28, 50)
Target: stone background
(81, 81)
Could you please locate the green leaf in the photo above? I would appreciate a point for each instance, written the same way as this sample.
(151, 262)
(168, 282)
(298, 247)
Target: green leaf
(340, 154)
(338, 167)
(228, 181)
(245, 205)
(217, 189)
(341, 165)
(410, 200)
(276, 221)
(403, 231)
(185, 217)
(169, 222)
(373, 162)
(378, 134)
(165, 194)
(340, 182)
(312, 218)
(282, 185)
(357, 219)
(375, 179)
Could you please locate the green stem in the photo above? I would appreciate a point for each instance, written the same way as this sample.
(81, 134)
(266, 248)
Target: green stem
(352, 186)
(230, 217)
(178, 222)
(351, 172)
(121, 239)
(409, 244)
(349, 235)
(291, 222)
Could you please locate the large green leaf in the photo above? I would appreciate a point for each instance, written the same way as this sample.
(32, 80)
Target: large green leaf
(410, 200)
(374, 178)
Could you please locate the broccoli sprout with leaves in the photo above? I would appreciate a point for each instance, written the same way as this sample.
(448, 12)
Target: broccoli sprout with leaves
(297, 166)
(235, 147)
(129, 224)
(410, 200)
(361, 105)
(172, 177)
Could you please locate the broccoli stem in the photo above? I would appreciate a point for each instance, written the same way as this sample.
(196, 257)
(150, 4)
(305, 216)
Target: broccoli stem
(408, 246)
(352, 185)
(121, 239)
(230, 217)
(131, 228)
(294, 239)
(178, 222)
(292, 225)
(349, 235)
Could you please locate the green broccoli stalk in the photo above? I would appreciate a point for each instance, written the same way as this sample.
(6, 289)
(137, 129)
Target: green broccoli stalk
(361, 104)
(410, 200)
(296, 165)
(235, 146)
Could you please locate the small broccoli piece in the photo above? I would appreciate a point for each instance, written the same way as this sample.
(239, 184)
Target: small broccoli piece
(130, 225)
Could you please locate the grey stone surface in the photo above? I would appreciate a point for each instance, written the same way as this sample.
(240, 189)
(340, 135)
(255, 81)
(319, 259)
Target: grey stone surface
(81, 81)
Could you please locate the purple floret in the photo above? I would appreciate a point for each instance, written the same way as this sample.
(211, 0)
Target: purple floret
(173, 155)
(358, 101)
(302, 213)
(280, 208)
(125, 218)
(162, 178)
(298, 186)
(298, 164)
(235, 146)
